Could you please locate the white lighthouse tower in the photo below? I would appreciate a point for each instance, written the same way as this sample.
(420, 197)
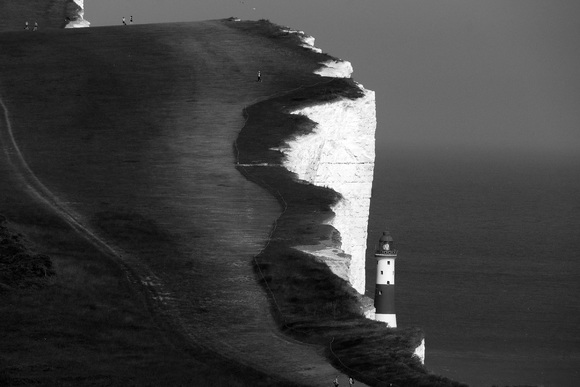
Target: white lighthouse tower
(385, 287)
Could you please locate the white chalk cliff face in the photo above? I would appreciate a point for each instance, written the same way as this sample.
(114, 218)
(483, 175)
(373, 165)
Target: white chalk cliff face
(340, 154)
(335, 68)
(420, 351)
(330, 68)
(307, 40)
(78, 21)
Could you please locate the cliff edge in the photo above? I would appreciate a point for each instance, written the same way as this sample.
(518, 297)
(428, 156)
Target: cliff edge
(312, 147)
(339, 154)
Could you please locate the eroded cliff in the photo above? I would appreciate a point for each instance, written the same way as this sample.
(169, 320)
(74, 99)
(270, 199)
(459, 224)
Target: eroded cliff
(340, 154)
(75, 11)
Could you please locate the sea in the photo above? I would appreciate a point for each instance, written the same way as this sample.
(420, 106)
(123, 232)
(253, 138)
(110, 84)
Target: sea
(488, 263)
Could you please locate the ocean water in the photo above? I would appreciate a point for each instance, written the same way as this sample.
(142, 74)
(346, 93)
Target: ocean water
(489, 261)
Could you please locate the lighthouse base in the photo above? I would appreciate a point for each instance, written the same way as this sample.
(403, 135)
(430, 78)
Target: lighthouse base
(389, 319)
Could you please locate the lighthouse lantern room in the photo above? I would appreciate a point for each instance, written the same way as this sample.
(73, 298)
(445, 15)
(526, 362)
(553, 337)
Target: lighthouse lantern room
(386, 254)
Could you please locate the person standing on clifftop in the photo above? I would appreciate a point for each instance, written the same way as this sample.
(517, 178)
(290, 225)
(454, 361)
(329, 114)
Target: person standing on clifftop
(124, 22)
(259, 76)
(131, 20)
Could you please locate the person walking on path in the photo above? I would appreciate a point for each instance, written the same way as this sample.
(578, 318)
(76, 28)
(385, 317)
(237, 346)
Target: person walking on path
(335, 382)
(124, 22)
(26, 26)
(350, 381)
(259, 76)
(35, 26)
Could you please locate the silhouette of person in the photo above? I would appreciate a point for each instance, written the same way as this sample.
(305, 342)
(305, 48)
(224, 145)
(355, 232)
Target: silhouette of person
(259, 76)
(35, 26)
(131, 20)
(124, 22)
(26, 26)
(335, 382)
(350, 381)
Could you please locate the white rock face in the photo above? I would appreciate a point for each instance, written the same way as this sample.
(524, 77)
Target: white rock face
(340, 154)
(335, 68)
(307, 40)
(370, 313)
(80, 22)
(420, 351)
(330, 68)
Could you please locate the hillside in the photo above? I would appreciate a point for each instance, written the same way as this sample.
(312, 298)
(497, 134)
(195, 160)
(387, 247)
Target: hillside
(119, 165)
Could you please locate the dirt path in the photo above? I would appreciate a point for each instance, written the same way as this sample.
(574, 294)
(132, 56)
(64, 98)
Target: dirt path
(147, 173)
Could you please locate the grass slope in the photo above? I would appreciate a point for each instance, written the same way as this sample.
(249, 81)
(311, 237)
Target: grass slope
(89, 324)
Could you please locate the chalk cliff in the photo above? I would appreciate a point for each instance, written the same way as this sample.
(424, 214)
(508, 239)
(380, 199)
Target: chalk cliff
(340, 154)
(75, 14)
(420, 351)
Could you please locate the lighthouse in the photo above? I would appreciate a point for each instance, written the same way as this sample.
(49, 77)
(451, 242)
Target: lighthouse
(385, 285)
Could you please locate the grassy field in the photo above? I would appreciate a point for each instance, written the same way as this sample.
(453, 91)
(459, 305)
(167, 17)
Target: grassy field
(111, 124)
(89, 324)
(107, 123)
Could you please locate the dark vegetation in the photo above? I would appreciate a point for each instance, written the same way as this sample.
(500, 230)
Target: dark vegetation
(309, 302)
(19, 267)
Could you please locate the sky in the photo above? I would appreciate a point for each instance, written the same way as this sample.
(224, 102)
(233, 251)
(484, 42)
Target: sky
(490, 76)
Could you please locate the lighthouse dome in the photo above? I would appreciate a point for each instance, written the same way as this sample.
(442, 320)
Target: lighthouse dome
(386, 244)
(386, 237)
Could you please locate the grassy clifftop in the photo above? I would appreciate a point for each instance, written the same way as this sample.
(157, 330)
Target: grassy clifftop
(125, 125)
(94, 113)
